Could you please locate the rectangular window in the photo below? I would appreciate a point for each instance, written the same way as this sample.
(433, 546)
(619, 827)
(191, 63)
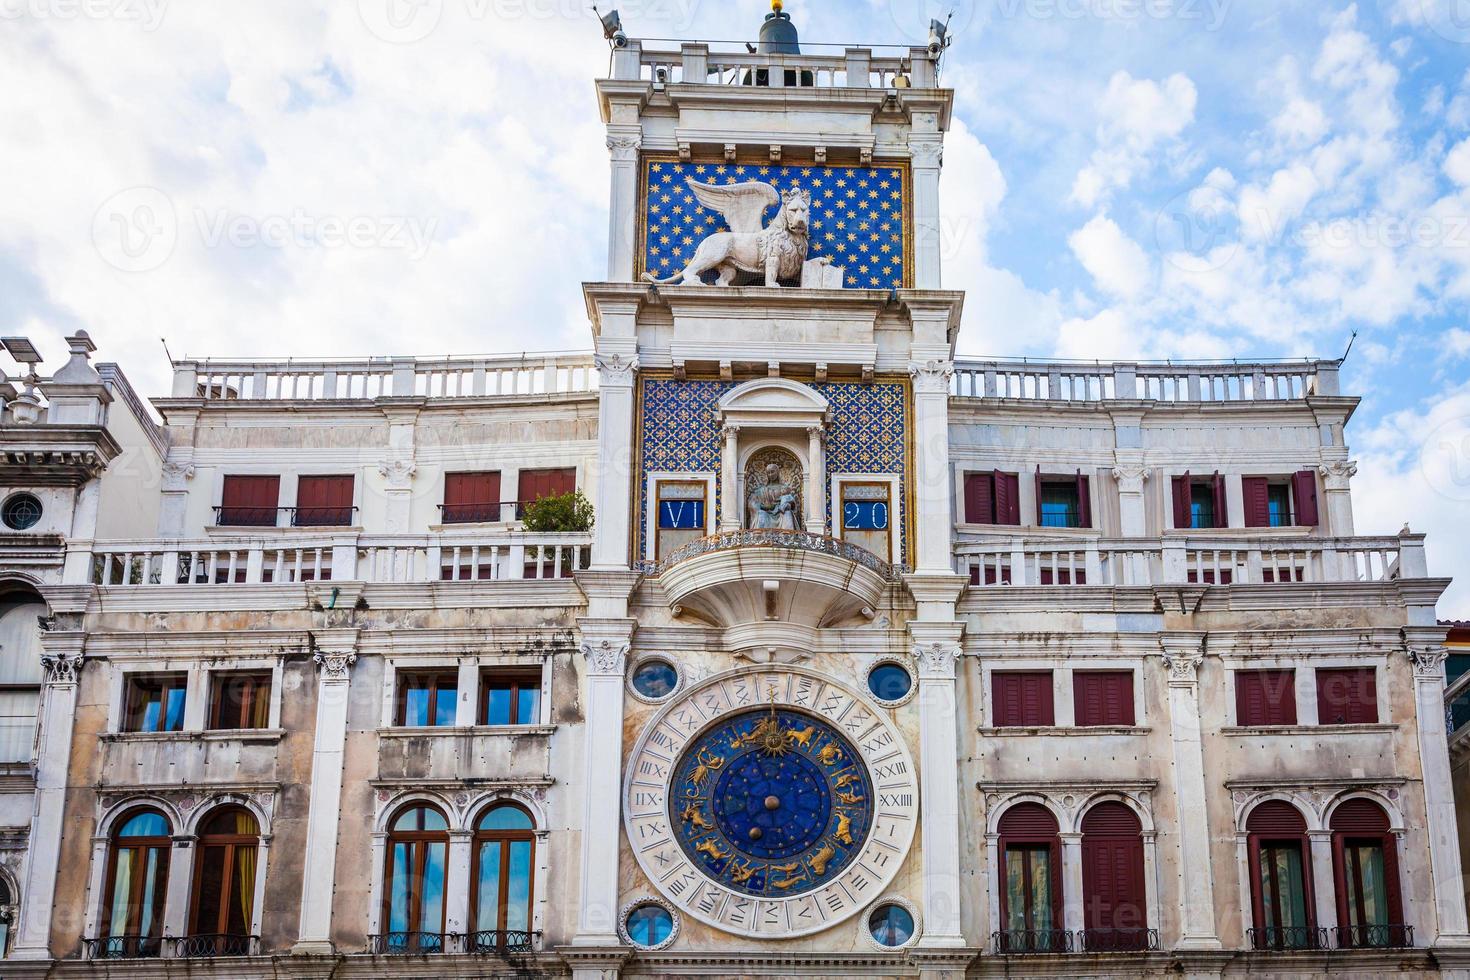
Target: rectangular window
(1265, 697)
(1281, 501)
(510, 697)
(1063, 502)
(1029, 903)
(1283, 893)
(993, 498)
(535, 484)
(324, 501)
(239, 701)
(155, 702)
(1347, 696)
(1278, 505)
(471, 498)
(1023, 699)
(427, 700)
(1200, 504)
(249, 501)
(1103, 697)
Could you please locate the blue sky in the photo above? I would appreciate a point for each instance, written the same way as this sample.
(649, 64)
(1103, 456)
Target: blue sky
(1125, 178)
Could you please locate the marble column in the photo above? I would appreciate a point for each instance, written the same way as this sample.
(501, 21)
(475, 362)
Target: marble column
(62, 663)
(1427, 656)
(336, 653)
(623, 142)
(816, 481)
(614, 495)
(1183, 655)
(605, 650)
(730, 479)
(932, 490)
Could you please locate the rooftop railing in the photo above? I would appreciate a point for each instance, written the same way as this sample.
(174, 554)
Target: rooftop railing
(1071, 381)
(696, 64)
(385, 377)
(1188, 560)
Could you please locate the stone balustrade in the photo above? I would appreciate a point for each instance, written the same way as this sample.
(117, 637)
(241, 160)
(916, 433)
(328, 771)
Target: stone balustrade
(1183, 382)
(696, 64)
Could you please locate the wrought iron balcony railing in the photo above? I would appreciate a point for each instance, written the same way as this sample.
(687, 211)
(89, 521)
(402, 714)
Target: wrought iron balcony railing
(209, 946)
(1012, 942)
(1374, 937)
(407, 943)
(500, 941)
(1118, 940)
(1286, 938)
(122, 948)
(488, 942)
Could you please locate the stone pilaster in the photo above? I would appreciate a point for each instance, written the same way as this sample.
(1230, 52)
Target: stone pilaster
(61, 661)
(1183, 656)
(1427, 655)
(615, 496)
(335, 653)
(1337, 488)
(1132, 506)
(932, 491)
(623, 143)
(927, 157)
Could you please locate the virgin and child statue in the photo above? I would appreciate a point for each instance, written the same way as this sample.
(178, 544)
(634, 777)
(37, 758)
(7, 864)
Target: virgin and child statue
(773, 503)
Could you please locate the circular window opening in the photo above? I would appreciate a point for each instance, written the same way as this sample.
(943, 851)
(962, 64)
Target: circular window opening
(890, 682)
(649, 925)
(891, 925)
(21, 512)
(655, 679)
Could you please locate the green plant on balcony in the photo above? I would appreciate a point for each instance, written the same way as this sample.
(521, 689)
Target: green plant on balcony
(566, 513)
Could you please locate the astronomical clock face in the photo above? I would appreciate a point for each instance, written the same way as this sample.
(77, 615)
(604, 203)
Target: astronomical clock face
(771, 803)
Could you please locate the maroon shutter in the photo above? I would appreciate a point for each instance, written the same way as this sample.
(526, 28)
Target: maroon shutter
(1347, 696)
(1008, 498)
(471, 497)
(1006, 692)
(535, 484)
(1182, 508)
(1084, 500)
(1112, 868)
(1304, 489)
(1029, 821)
(1257, 493)
(1265, 697)
(1276, 819)
(1222, 514)
(1103, 697)
(324, 501)
(1039, 521)
(979, 498)
(250, 501)
(1023, 699)
(1360, 818)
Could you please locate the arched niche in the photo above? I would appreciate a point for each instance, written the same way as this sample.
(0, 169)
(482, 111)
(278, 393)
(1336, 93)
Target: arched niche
(771, 414)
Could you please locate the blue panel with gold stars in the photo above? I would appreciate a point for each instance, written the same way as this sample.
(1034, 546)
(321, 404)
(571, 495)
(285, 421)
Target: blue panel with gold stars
(772, 803)
(859, 215)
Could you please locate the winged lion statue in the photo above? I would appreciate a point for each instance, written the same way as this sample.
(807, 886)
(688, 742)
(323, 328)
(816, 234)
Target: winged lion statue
(777, 252)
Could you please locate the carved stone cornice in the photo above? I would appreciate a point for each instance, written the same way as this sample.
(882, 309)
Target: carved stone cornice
(616, 370)
(1337, 475)
(932, 377)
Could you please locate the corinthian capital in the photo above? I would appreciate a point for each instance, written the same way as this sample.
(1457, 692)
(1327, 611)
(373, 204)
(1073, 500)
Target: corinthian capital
(937, 660)
(624, 146)
(61, 668)
(1130, 478)
(1428, 661)
(606, 656)
(616, 369)
(931, 377)
(335, 665)
(1336, 475)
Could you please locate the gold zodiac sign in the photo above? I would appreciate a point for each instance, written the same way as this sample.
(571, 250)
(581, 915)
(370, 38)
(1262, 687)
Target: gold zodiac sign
(772, 739)
(844, 828)
(802, 737)
(792, 877)
(819, 860)
(740, 874)
(692, 815)
(711, 850)
(845, 780)
(708, 763)
(830, 754)
(849, 798)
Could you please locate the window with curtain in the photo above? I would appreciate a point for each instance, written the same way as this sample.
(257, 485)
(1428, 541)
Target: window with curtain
(1031, 892)
(223, 909)
(137, 878)
(239, 701)
(155, 703)
(1281, 890)
(505, 847)
(413, 889)
(1365, 864)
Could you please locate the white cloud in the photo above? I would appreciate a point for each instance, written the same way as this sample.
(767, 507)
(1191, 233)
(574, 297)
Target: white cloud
(1138, 116)
(1116, 262)
(1265, 211)
(1457, 341)
(1350, 65)
(1300, 122)
(1457, 164)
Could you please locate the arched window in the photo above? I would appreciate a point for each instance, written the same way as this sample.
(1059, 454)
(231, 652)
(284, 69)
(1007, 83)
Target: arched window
(223, 910)
(137, 878)
(413, 892)
(7, 914)
(1281, 878)
(20, 674)
(505, 850)
(1031, 890)
(1365, 864)
(1113, 896)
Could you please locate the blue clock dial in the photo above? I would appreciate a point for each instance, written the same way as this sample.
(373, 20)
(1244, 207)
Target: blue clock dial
(772, 802)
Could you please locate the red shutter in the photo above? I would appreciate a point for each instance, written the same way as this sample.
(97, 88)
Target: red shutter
(1182, 509)
(1265, 697)
(979, 498)
(471, 497)
(1222, 513)
(250, 501)
(1257, 501)
(1023, 699)
(1008, 498)
(1112, 868)
(1084, 500)
(535, 484)
(1028, 821)
(1103, 697)
(1039, 521)
(1360, 816)
(1347, 696)
(1304, 489)
(1277, 819)
(324, 501)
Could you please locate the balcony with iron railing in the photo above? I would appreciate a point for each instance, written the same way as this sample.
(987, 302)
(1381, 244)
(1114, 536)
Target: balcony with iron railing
(483, 943)
(1286, 939)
